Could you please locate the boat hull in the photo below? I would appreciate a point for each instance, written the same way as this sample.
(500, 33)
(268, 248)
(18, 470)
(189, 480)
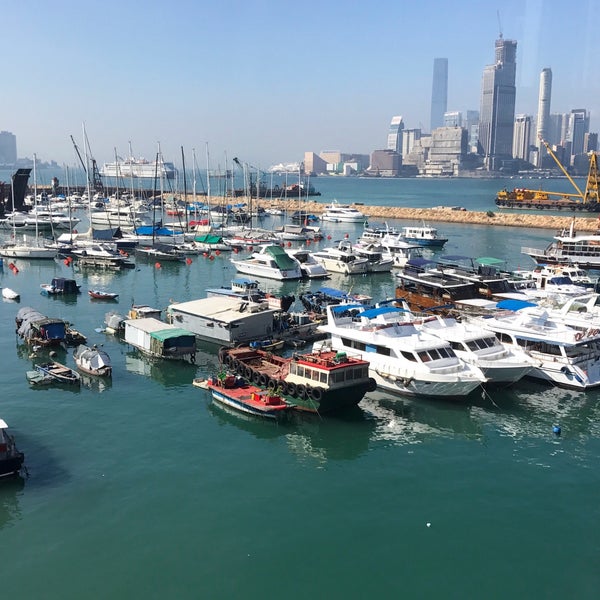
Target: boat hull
(10, 467)
(240, 403)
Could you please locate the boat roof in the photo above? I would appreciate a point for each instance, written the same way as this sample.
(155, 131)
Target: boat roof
(167, 334)
(512, 304)
(152, 325)
(225, 309)
(382, 310)
(342, 307)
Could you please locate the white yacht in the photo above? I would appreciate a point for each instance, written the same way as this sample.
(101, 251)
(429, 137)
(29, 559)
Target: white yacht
(402, 358)
(272, 262)
(566, 350)
(127, 218)
(424, 236)
(342, 213)
(311, 268)
(337, 260)
(378, 260)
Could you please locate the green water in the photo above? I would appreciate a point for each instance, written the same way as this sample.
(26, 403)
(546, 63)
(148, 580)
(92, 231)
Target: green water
(142, 488)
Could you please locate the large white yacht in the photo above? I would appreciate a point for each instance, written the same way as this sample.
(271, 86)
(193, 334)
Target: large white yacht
(342, 213)
(566, 347)
(403, 359)
(272, 262)
(311, 268)
(345, 261)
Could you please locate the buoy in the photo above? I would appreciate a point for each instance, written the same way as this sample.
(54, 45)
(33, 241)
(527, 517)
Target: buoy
(328, 237)
(218, 252)
(346, 236)
(556, 429)
(289, 244)
(157, 265)
(211, 257)
(66, 261)
(13, 268)
(235, 250)
(205, 254)
(188, 261)
(250, 248)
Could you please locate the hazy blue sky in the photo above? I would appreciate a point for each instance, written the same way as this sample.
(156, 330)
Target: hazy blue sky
(267, 80)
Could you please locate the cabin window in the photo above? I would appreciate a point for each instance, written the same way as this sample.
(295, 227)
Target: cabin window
(409, 356)
(338, 376)
(383, 350)
(323, 377)
(300, 371)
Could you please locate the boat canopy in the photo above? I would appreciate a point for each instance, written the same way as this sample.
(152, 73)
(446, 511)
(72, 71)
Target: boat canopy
(284, 261)
(209, 239)
(514, 304)
(167, 334)
(342, 307)
(382, 310)
(489, 260)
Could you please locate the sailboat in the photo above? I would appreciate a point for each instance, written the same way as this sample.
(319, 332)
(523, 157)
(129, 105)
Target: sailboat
(26, 248)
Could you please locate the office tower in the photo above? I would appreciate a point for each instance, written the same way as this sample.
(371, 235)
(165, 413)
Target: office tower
(472, 127)
(497, 114)
(522, 137)
(590, 142)
(409, 139)
(453, 119)
(439, 92)
(394, 140)
(543, 116)
(558, 129)
(8, 148)
(579, 125)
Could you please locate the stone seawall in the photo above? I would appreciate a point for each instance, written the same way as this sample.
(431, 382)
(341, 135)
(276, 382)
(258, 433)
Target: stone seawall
(497, 218)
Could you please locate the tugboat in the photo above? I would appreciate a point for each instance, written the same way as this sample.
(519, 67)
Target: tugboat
(318, 381)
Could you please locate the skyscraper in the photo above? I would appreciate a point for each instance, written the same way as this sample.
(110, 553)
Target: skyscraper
(579, 125)
(497, 114)
(439, 92)
(543, 116)
(522, 136)
(394, 140)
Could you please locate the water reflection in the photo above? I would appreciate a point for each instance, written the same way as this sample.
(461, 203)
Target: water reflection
(170, 373)
(10, 494)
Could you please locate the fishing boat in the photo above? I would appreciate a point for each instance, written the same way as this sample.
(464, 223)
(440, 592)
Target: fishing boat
(237, 393)
(342, 213)
(60, 286)
(59, 373)
(11, 460)
(423, 236)
(403, 359)
(102, 295)
(272, 262)
(319, 381)
(92, 360)
(38, 330)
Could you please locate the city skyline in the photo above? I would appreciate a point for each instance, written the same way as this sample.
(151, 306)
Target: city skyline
(241, 82)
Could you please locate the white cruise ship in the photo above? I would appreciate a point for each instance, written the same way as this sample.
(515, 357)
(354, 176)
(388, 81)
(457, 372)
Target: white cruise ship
(139, 168)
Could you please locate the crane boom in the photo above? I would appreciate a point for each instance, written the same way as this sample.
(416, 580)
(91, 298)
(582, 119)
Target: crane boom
(551, 153)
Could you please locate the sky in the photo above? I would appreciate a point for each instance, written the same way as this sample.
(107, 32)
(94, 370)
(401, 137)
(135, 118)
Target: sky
(267, 80)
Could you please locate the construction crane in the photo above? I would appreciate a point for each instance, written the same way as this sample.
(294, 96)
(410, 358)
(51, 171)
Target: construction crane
(588, 200)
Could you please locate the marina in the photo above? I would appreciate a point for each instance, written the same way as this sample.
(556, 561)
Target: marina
(172, 496)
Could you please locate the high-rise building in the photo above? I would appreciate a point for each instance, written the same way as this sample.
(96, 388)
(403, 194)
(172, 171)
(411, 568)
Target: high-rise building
(439, 92)
(579, 125)
(590, 142)
(409, 139)
(497, 114)
(522, 137)
(543, 116)
(394, 139)
(472, 127)
(8, 148)
(453, 119)
(558, 128)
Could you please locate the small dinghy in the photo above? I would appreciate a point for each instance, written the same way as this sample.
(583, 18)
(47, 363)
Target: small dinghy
(9, 294)
(102, 295)
(59, 373)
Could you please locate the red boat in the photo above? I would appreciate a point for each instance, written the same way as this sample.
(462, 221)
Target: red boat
(100, 295)
(235, 392)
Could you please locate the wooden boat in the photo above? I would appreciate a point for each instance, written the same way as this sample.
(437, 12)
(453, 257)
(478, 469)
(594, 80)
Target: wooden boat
(59, 372)
(11, 460)
(319, 381)
(102, 295)
(92, 361)
(237, 393)
(37, 378)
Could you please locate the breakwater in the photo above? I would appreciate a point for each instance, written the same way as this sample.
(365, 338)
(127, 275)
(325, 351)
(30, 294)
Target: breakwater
(450, 215)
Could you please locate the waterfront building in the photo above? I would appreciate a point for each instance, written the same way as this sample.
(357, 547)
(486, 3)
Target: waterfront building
(8, 148)
(314, 164)
(522, 137)
(394, 139)
(439, 92)
(385, 163)
(497, 112)
(447, 152)
(409, 138)
(590, 142)
(543, 116)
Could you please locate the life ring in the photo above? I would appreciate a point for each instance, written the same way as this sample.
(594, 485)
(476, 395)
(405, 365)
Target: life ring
(273, 384)
(248, 372)
(578, 336)
(301, 391)
(291, 388)
(263, 380)
(284, 387)
(372, 385)
(315, 393)
(256, 377)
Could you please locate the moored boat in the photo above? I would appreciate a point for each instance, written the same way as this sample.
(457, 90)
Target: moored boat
(59, 373)
(9, 294)
(237, 393)
(92, 360)
(319, 381)
(423, 236)
(102, 295)
(11, 460)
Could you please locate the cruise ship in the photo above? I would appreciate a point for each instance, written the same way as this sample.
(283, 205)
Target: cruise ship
(139, 168)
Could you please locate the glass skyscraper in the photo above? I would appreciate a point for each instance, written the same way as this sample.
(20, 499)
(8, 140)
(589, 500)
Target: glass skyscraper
(497, 113)
(439, 92)
(394, 140)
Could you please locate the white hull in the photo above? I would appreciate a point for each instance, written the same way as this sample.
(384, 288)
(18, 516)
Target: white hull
(423, 387)
(27, 252)
(335, 265)
(258, 270)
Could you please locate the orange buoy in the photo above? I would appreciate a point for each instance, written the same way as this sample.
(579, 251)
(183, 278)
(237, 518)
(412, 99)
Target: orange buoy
(13, 268)
(328, 237)
(218, 252)
(211, 257)
(289, 244)
(188, 261)
(157, 265)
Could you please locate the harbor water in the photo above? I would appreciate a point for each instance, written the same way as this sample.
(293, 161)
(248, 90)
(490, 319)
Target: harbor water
(140, 487)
